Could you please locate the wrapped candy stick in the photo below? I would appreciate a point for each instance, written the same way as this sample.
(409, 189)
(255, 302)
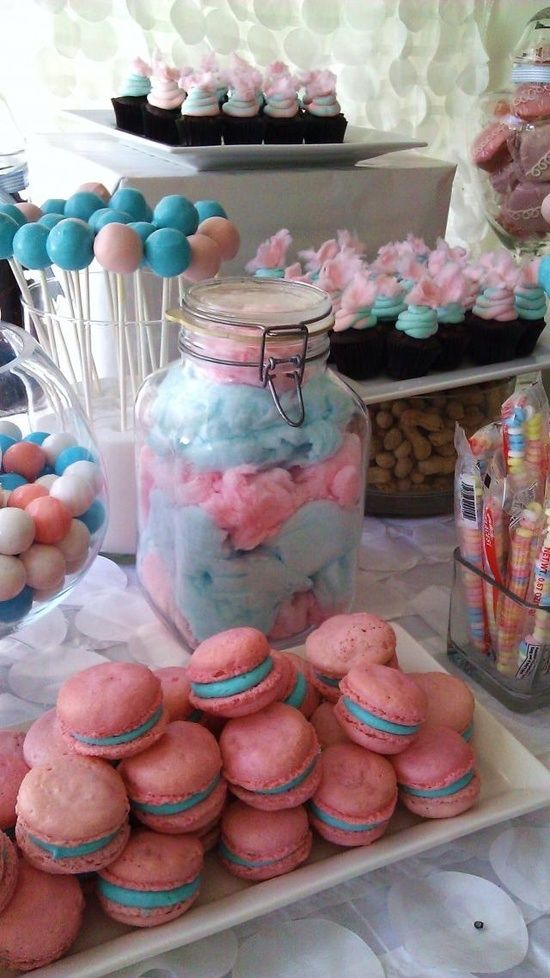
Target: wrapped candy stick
(534, 650)
(520, 565)
(468, 520)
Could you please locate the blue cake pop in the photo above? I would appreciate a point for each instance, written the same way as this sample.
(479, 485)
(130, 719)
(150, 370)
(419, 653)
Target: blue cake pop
(108, 215)
(29, 246)
(54, 205)
(70, 244)
(209, 208)
(143, 228)
(167, 252)
(131, 201)
(8, 227)
(50, 220)
(12, 211)
(83, 204)
(175, 211)
(544, 273)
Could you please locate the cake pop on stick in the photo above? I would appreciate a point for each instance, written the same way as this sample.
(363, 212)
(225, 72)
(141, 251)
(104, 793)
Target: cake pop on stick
(224, 233)
(29, 249)
(143, 229)
(168, 254)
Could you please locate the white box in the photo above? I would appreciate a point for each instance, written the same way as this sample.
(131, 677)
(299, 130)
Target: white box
(381, 199)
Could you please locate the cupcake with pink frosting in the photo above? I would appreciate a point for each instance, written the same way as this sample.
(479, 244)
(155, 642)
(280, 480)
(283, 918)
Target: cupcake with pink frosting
(283, 117)
(412, 347)
(269, 260)
(530, 303)
(451, 315)
(163, 106)
(357, 342)
(133, 95)
(325, 121)
(242, 123)
(200, 123)
(389, 302)
(494, 326)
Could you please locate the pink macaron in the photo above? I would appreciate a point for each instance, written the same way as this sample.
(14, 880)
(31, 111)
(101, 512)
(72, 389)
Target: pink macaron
(450, 701)
(271, 758)
(298, 691)
(381, 708)
(44, 742)
(531, 102)
(346, 640)
(42, 919)
(258, 845)
(326, 726)
(175, 692)
(13, 769)
(8, 871)
(155, 879)
(233, 673)
(436, 775)
(356, 797)
(176, 785)
(72, 816)
(490, 147)
(111, 710)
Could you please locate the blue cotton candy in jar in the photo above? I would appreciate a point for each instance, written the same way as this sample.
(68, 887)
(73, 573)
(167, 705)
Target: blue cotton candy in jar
(251, 461)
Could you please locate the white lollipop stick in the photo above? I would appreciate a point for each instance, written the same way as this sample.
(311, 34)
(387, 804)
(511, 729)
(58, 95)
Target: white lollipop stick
(84, 352)
(120, 351)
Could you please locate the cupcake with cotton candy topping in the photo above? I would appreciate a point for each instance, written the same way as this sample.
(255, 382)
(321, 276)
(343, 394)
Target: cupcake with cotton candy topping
(200, 123)
(163, 106)
(451, 316)
(389, 301)
(494, 326)
(269, 260)
(284, 120)
(133, 95)
(325, 121)
(357, 342)
(530, 303)
(242, 123)
(412, 347)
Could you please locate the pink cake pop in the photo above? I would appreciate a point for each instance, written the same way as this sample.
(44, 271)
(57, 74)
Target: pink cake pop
(118, 248)
(224, 233)
(206, 258)
(31, 211)
(95, 188)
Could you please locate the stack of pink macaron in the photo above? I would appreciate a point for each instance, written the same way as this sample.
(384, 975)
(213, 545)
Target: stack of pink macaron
(246, 747)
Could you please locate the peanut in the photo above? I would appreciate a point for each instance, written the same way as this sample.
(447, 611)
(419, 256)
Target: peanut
(403, 467)
(384, 420)
(404, 449)
(436, 466)
(377, 477)
(422, 419)
(393, 439)
(385, 460)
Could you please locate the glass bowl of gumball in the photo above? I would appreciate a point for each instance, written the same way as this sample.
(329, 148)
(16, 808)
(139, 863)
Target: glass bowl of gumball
(53, 502)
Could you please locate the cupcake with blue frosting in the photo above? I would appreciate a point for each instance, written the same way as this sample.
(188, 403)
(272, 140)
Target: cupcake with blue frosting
(389, 302)
(283, 117)
(412, 347)
(357, 341)
(201, 122)
(530, 303)
(325, 121)
(133, 95)
(242, 123)
(270, 258)
(451, 316)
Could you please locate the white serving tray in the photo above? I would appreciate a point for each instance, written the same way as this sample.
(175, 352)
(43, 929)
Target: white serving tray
(513, 782)
(384, 388)
(359, 144)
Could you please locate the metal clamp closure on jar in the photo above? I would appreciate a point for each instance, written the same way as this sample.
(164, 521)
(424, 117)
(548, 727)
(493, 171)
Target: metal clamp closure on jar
(269, 366)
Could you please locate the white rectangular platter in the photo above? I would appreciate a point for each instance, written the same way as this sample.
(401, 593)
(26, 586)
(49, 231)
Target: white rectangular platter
(359, 144)
(513, 782)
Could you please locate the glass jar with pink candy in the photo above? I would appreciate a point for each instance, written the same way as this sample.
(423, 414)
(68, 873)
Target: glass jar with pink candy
(251, 462)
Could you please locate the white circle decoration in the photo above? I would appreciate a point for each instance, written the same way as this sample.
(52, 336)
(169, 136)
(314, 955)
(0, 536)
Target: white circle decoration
(322, 18)
(302, 948)
(303, 48)
(188, 21)
(363, 15)
(222, 31)
(276, 14)
(38, 677)
(92, 10)
(521, 859)
(66, 36)
(455, 921)
(141, 11)
(263, 44)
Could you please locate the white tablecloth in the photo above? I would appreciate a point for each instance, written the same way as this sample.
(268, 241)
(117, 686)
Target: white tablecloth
(405, 576)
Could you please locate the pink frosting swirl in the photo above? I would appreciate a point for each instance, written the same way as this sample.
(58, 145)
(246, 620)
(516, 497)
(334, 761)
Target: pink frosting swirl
(497, 304)
(165, 92)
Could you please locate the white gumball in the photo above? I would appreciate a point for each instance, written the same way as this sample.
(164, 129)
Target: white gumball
(86, 470)
(45, 567)
(74, 546)
(47, 480)
(53, 445)
(16, 531)
(12, 577)
(10, 429)
(78, 494)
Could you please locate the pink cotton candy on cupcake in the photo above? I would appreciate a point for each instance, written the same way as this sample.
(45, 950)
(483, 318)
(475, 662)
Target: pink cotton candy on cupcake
(412, 347)
(451, 316)
(269, 260)
(531, 304)
(495, 330)
(356, 341)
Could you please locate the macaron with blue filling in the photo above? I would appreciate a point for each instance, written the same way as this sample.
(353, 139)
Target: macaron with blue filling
(381, 708)
(257, 845)
(72, 816)
(271, 758)
(356, 797)
(176, 784)
(233, 673)
(343, 641)
(451, 702)
(299, 691)
(437, 776)
(111, 710)
(155, 879)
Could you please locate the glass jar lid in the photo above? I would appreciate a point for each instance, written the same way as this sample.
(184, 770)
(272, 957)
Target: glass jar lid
(532, 54)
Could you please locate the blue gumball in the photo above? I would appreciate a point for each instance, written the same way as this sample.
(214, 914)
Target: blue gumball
(11, 481)
(209, 208)
(175, 211)
(108, 215)
(29, 246)
(132, 202)
(12, 211)
(70, 244)
(83, 204)
(94, 517)
(17, 607)
(75, 453)
(54, 205)
(37, 437)
(8, 229)
(167, 252)
(50, 220)
(6, 441)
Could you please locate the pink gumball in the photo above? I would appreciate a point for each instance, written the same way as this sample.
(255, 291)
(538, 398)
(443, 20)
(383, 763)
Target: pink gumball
(545, 208)
(118, 248)
(206, 258)
(224, 233)
(95, 188)
(31, 211)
